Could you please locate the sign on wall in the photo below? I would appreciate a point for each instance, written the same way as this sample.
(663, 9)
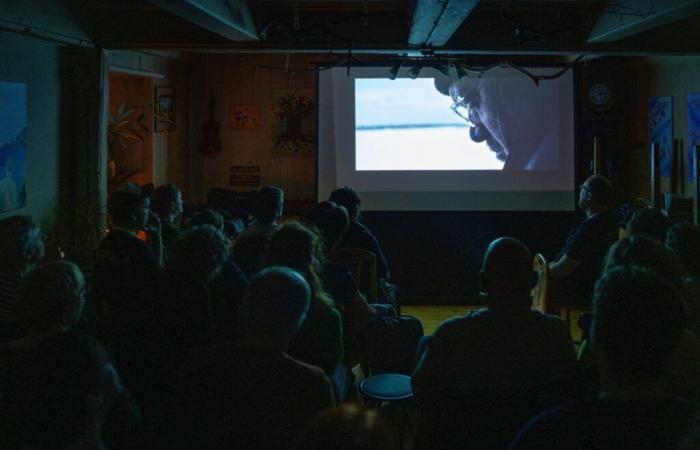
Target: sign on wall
(13, 151)
(661, 130)
(693, 129)
(245, 176)
(293, 122)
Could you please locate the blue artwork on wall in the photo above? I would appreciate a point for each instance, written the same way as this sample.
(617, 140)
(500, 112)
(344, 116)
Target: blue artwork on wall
(693, 129)
(661, 130)
(13, 159)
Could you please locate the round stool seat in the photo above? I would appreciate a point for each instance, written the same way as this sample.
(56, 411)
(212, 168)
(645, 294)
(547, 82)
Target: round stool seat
(387, 387)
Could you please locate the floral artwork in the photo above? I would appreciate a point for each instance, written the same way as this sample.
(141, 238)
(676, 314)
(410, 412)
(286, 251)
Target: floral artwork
(13, 145)
(693, 129)
(293, 125)
(244, 117)
(661, 131)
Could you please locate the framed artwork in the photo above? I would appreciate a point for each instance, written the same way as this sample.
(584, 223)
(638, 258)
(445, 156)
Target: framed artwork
(164, 109)
(661, 130)
(244, 117)
(293, 122)
(13, 147)
(693, 129)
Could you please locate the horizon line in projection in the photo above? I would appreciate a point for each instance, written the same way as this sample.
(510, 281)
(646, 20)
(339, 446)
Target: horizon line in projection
(408, 125)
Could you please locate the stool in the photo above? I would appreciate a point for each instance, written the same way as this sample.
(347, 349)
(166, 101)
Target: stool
(387, 387)
(393, 388)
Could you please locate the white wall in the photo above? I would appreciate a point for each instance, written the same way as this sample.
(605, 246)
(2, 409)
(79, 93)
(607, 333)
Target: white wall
(36, 63)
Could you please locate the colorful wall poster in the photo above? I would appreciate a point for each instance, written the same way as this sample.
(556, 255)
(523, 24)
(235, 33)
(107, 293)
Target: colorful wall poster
(661, 130)
(693, 129)
(13, 150)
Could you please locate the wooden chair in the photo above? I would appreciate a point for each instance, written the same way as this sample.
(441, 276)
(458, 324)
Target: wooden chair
(541, 291)
(362, 264)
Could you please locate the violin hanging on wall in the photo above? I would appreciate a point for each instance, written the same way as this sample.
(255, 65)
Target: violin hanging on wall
(211, 141)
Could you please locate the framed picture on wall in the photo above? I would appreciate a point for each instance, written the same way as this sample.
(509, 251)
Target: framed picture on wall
(293, 122)
(164, 109)
(661, 130)
(13, 151)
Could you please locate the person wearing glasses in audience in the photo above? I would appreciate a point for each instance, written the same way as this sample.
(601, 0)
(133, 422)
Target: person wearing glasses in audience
(517, 119)
(576, 269)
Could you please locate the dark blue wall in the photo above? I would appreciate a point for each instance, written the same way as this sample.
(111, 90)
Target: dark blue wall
(434, 257)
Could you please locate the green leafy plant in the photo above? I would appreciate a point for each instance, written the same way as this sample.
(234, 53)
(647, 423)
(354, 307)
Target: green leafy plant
(122, 128)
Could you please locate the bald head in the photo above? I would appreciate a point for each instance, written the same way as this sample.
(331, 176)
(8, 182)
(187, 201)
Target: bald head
(596, 193)
(276, 302)
(507, 275)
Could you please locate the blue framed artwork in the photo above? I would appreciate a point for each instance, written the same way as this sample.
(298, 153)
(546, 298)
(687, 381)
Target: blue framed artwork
(13, 150)
(661, 130)
(693, 129)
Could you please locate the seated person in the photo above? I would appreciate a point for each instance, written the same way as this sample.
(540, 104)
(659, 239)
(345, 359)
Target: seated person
(483, 375)
(21, 250)
(252, 243)
(320, 339)
(349, 428)
(357, 234)
(373, 333)
(208, 217)
(53, 302)
(252, 395)
(126, 268)
(227, 287)
(574, 272)
(638, 323)
(166, 203)
(268, 205)
(684, 241)
(682, 374)
(649, 222)
(331, 221)
(185, 295)
(180, 320)
(127, 275)
(57, 395)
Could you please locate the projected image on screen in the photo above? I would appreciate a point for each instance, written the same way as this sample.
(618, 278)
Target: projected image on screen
(442, 124)
(406, 124)
(489, 141)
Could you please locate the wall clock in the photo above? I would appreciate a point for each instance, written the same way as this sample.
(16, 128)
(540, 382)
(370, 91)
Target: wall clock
(600, 96)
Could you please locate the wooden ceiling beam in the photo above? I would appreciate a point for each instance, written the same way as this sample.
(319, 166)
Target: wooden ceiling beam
(231, 19)
(625, 18)
(435, 21)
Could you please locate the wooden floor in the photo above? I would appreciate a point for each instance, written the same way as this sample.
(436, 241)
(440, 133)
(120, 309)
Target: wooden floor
(432, 316)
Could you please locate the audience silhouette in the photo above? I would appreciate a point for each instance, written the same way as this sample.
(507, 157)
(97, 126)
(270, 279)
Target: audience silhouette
(577, 267)
(483, 375)
(250, 345)
(637, 324)
(252, 395)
